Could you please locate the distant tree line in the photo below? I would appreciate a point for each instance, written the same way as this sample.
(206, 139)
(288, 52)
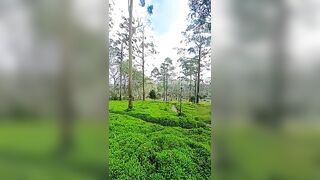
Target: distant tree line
(131, 46)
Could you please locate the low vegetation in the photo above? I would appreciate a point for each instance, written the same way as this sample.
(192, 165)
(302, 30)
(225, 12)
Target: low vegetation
(153, 142)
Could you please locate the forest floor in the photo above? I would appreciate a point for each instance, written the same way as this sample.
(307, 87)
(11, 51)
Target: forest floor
(153, 142)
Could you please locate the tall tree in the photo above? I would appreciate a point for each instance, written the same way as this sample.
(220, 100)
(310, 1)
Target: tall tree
(198, 35)
(144, 47)
(130, 7)
(120, 44)
(66, 105)
(157, 78)
(113, 72)
(147, 49)
(111, 22)
(155, 74)
(166, 70)
(256, 27)
(188, 69)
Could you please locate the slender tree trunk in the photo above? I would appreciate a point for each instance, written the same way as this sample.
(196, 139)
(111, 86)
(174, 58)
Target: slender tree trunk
(198, 77)
(143, 92)
(121, 60)
(190, 86)
(195, 88)
(279, 58)
(163, 90)
(125, 91)
(130, 56)
(66, 108)
(115, 84)
(180, 109)
(166, 87)
(65, 89)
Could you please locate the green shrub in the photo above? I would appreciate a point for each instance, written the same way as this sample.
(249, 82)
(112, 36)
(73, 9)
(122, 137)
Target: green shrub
(114, 97)
(153, 142)
(152, 94)
(160, 112)
(192, 99)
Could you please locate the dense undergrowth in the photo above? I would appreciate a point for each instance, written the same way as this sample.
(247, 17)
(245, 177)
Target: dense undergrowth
(193, 116)
(153, 142)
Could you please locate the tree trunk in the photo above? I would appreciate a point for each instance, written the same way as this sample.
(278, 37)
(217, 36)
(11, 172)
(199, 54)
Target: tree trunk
(66, 109)
(164, 87)
(121, 60)
(130, 56)
(65, 90)
(198, 77)
(190, 86)
(143, 92)
(195, 89)
(277, 91)
(115, 84)
(125, 91)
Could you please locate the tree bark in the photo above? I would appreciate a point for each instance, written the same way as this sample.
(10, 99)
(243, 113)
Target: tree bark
(66, 108)
(115, 83)
(277, 92)
(130, 56)
(121, 60)
(143, 92)
(195, 88)
(190, 86)
(198, 77)
(164, 87)
(125, 91)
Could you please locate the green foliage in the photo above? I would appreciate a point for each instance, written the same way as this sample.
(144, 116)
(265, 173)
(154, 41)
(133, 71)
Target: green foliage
(114, 97)
(152, 142)
(161, 113)
(152, 94)
(192, 99)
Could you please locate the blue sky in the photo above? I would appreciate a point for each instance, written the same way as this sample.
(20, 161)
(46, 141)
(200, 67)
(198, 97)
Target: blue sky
(165, 14)
(168, 21)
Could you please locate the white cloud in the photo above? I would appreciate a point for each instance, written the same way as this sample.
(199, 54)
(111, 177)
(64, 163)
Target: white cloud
(171, 39)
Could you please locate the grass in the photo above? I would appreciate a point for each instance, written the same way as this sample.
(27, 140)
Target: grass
(28, 151)
(255, 152)
(153, 142)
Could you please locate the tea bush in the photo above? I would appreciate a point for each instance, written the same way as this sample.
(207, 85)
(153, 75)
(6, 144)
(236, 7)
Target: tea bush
(152, 142)
(194, 116)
